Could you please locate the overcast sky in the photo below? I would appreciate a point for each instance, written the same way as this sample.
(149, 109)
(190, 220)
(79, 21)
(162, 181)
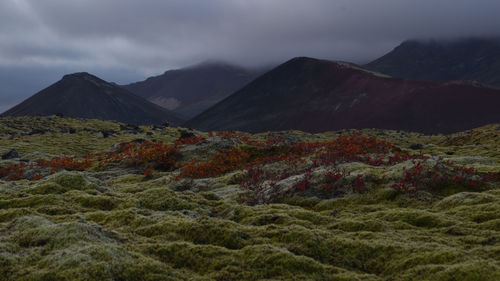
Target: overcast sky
(127, 40)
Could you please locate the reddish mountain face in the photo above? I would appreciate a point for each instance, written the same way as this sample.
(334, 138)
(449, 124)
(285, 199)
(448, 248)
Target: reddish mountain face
(318, 95)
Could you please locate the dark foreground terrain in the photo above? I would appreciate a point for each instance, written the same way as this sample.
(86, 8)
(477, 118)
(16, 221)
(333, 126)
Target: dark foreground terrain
(92, 200)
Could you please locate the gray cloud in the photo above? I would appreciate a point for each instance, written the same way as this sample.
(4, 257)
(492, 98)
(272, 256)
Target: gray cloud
(126, 40)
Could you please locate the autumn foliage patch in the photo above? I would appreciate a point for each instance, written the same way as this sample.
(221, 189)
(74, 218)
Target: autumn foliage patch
(15, 172)
(189, 140)
(439, 175)
(275, 167)
(144, 155)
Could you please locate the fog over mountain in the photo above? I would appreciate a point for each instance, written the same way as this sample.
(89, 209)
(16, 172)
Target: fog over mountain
(126, 41)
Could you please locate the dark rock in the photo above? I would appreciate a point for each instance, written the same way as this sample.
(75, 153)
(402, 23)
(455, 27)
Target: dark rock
(107, 133)
(186, 134)
(450, 153)
(149, 133)
(37, 131)
(10, 155)
(59, 115)
(131, 128)
(182, 188)
(166, 124)
(72, 131)
(417, 146)
(335, 212)
(139, 140)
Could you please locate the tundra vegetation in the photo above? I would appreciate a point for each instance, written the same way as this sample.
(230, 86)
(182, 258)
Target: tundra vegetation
(97, 200)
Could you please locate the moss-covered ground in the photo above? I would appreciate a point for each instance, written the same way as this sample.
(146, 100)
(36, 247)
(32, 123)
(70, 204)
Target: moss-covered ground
(118, 224)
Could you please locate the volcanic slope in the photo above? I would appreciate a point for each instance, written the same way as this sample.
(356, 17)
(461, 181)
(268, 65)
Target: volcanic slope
(87, 96)
(318, 95)
(191, 90)
(467, 59)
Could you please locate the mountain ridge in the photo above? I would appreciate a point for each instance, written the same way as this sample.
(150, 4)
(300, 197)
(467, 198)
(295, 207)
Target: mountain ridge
(87, 96)
(191, 90)
(320, 95)
(443, 60)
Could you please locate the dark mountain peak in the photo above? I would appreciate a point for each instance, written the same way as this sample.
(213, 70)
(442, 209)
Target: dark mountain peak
(193, 89)
(79, 78)
(301, 60)
(320, 95)
(210, 64)
(307, 60)
(300, 63)
(472, 58)
(85, 95)
(451, 41)
(81, 75)
(332, 68)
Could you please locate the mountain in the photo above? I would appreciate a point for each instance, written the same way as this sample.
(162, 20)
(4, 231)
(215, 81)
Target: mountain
(191, 90)
(318, 95)
(86, 96)
(467, 59)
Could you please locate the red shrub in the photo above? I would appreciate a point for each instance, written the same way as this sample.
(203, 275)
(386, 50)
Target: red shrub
(190, 140)
(441, 175)
(148, 172)
(146, 154)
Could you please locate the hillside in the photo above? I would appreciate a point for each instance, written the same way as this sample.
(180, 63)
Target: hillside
(191, 90)
(87, 96)
(162, 203)
(318, 95)
(475, 59)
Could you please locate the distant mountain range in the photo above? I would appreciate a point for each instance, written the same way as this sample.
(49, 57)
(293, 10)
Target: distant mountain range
(191, 90)
(423, 89)
(87, 96)
(318, 95)
(467, 59)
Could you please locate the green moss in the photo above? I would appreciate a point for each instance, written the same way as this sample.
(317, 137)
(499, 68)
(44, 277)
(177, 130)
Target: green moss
(7, 215)
(250, 263)
(414, 217)
(60, 183)
(162, 199)
(121, 219)
(60, 235)
(97, 262)
(201, 231)
(464, 198)
(73, 226)
(31, 201)
(71, 180)
(273, 262)
(98, 202)
(470, 271)
(356, 225)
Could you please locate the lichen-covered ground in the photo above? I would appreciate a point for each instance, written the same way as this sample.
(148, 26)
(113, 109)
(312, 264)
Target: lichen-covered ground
(121, 222)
